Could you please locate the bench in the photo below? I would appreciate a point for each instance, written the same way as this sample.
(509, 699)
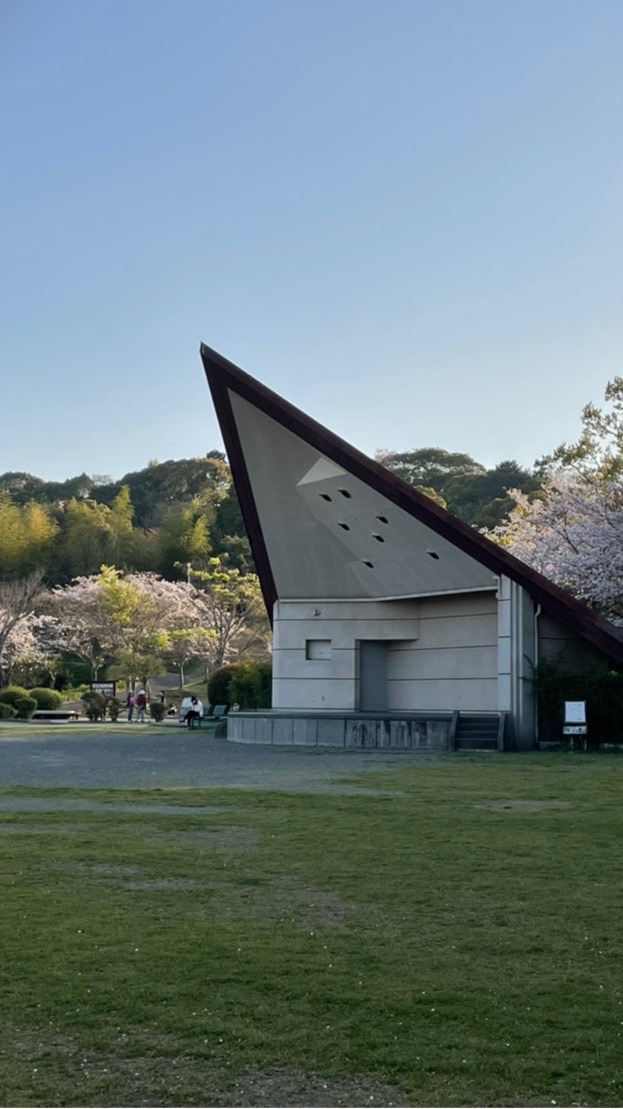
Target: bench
(55, 715)
(209, 714)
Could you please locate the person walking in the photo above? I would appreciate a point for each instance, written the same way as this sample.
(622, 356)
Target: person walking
(141, 705)
(130, 702)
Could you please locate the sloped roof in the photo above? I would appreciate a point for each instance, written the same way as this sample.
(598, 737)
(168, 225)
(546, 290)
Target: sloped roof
(320, 514)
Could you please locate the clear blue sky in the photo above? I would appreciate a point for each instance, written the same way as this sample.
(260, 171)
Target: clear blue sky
(404, 215)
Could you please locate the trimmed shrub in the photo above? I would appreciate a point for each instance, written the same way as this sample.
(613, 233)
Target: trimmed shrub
(113, 707)
(219, 683)
(75, 693)
(94, 705)
(7, 712)
(24, 707)
(12, 693)
(250, 685)
(602, 690)
(46, 698)
(157, 711)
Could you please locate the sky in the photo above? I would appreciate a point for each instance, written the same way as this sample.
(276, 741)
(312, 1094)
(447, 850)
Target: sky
(405, 216)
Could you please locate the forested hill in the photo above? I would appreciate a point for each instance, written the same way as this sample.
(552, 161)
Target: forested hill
(159, 519)
(173, 513)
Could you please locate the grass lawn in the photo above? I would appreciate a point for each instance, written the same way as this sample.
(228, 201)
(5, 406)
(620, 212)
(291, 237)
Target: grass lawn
(457, 944)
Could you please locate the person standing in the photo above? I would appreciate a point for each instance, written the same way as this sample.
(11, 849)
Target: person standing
(130, 702)
(141, 705)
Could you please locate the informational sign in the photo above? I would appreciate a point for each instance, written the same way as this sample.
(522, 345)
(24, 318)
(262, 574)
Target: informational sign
(574, 729)
(107, 689)
(575, 712)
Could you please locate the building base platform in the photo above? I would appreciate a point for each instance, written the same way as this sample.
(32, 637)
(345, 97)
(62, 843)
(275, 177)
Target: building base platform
(391, 731)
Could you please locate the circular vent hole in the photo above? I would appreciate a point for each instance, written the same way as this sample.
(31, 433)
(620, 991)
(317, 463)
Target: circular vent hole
(370, 564)
(341, 525)
(379, 538)
(383, 519)
(344, 493)
(433, 554)
(325, 496)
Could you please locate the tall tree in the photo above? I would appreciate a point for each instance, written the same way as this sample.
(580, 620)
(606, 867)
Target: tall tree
(27, 535)
(429, 467)
(229, 604)
(572, 531)
(18, 600)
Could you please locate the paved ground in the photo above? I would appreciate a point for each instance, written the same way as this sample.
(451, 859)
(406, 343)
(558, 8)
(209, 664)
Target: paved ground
(176, 758)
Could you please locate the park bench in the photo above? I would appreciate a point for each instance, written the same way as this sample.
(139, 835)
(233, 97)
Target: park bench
(55, 715)
(217, 713)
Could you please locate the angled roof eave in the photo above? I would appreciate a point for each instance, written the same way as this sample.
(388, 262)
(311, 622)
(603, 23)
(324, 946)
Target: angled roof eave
(223, 376)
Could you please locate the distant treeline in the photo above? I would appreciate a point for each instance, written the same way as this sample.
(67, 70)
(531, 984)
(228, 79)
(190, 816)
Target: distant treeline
(158, 519)
(173, 513)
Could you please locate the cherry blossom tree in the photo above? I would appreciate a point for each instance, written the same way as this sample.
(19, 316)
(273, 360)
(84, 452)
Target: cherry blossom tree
(125, 620)
(18, 600)
(229, 603)
(573, 534)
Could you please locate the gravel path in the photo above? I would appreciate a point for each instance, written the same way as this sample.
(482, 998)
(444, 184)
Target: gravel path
(179, 759)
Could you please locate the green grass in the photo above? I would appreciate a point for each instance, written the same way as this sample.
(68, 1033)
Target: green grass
(457, 944)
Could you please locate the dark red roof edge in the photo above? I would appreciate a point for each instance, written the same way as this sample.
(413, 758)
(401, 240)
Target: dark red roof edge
(223, 375)
(220, 395)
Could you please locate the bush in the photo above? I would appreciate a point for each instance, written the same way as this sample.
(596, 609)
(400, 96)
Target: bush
(24, 707)
(601, 689)
(219, 683)
(12, 693)
(94, 705)
(250, 685)
(113, 707)
(7, 712)
(46, 698)
(75, 693)
(157, 711)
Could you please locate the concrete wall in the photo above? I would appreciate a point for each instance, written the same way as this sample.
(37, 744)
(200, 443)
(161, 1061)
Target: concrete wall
(340, 730)
(441, 653)
(561, 645)
(517, 655)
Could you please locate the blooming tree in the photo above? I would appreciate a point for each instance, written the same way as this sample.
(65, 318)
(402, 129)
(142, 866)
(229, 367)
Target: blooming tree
(229, 603)
(573, 534)
(122, 619)
(18, 599)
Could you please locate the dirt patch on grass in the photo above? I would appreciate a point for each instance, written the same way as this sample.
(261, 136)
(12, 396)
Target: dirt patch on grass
(108, 870)
(522, 806)
(22, 828)
(230, 838)
(132, 808)
(293, 1087)
(289, 900)
(164, 885)
(143, 1069)
(135, 878)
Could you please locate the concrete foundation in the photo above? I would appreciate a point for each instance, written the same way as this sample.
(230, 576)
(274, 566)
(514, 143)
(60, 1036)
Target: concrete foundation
(334, 729)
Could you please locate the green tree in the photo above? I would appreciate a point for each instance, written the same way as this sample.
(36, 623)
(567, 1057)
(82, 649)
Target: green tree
(84, 539)
(26, 537)
(120, 528)
(184, 537)
(429, 467)
(229, 604)
(597, 455)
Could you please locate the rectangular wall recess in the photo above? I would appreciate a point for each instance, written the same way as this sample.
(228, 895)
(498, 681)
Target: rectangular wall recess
(317, 650)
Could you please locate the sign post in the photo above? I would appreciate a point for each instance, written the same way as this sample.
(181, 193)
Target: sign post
(108, 689)
(575, 723)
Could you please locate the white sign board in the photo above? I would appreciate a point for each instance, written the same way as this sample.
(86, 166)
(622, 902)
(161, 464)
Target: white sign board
(574, 729)
(575, 712)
